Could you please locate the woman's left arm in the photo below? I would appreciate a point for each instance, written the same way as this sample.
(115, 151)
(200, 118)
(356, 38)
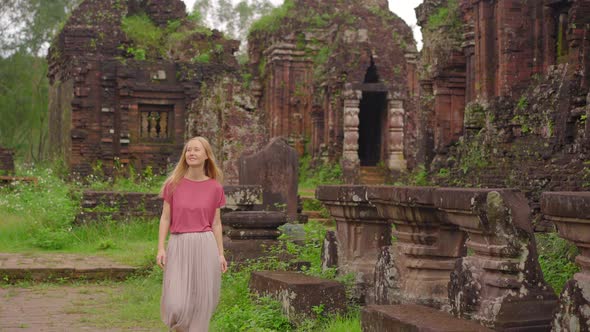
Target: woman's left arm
(218, 232)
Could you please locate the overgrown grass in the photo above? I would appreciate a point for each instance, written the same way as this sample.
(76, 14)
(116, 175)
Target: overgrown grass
(41, 218)
(556, 257)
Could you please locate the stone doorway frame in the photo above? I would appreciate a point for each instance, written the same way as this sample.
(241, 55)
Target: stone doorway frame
(394, 141)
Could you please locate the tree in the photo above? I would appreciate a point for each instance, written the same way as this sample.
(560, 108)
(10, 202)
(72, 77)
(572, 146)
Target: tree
(234, 20)
(26, 28)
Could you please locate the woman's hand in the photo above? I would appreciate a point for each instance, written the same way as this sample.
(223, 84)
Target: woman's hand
(223, 263)
(161, 258)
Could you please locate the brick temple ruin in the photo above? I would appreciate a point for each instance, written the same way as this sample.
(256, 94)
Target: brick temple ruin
(117, 99)
(504, 94)
(497, 98)
(336, 76)
(339, 80)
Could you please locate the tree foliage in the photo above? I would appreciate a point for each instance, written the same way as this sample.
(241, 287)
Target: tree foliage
(26, 27)
(234, 20)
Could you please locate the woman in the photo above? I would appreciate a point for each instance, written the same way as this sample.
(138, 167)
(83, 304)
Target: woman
(194, 259)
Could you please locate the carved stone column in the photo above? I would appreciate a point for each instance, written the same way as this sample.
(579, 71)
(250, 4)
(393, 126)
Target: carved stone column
(395, 158)
(570, 212)
(360, 233)
(426, 250)
(350, 156)
(499, 283)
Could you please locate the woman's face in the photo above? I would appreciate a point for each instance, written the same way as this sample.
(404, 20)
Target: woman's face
(195, 153)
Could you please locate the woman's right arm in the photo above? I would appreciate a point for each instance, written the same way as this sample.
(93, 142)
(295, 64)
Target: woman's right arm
(164, 228)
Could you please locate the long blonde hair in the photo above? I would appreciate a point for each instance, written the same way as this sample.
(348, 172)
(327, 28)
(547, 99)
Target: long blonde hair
(211, 169)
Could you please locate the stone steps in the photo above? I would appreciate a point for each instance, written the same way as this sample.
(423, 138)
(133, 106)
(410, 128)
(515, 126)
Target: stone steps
(44, 267)
(372, 175)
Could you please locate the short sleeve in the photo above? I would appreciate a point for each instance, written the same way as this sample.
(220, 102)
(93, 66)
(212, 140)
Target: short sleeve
(167, 194)
(221, 201)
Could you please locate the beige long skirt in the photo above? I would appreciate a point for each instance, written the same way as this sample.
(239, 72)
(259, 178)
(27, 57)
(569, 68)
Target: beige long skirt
(192, 280)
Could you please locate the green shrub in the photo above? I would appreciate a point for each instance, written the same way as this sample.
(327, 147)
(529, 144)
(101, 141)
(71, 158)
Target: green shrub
(445, 16)
(273, 21)
(325, 173)
(556, 256)
(144, 34)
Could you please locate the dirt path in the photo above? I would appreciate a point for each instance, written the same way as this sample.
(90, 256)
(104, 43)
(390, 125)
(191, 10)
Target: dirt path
(55, 308)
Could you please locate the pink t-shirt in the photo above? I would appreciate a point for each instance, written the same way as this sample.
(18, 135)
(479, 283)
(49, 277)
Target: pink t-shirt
(193, 205)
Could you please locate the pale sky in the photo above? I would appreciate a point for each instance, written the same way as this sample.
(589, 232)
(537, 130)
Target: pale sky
(403, 8)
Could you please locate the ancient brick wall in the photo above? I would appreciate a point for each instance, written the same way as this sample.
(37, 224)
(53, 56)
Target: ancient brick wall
(226, 114)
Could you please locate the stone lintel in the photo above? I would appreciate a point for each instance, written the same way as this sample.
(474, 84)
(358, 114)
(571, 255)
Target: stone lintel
(571, 204)
(370, 87)
(254, 219)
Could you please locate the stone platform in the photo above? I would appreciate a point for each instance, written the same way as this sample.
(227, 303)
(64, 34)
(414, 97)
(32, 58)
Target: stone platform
(16, 267)
(413, 318)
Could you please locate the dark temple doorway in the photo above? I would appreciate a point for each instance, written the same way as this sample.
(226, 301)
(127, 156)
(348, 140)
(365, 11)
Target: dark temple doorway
(372, 117)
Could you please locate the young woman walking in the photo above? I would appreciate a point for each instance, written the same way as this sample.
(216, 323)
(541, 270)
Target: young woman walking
(194, 260)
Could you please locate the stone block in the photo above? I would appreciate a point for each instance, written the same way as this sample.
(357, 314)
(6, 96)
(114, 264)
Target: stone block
(299, 293)
(413, 318)
(275, 168)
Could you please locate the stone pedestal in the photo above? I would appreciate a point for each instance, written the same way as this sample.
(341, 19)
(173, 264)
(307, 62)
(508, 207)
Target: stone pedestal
(360, 233)
(249, 234)
(500, 283)
(417, 267)
(570, 212)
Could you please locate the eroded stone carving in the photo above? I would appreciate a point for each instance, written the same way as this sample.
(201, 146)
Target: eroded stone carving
(416, 268)
(499, 283)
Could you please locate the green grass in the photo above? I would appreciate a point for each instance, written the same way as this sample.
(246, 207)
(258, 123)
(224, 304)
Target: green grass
(40, 218)
(310, 176)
